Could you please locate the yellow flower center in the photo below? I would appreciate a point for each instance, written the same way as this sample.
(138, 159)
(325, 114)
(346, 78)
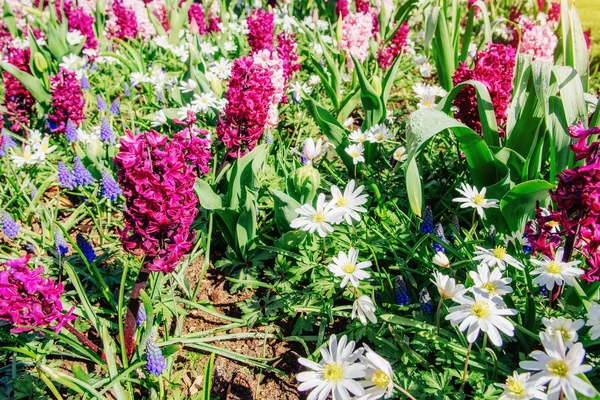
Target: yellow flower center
(341, 202)
(499, 252)
(319, 217)
(380, 378)
(557, 367)
(553, 224)
(354, 154)
(349, 268)
(514, 385)
(489, 286)
(333, 372)
(361, 138)
(479, 199)
(554, 267)
(480, 309)
(564, 334)
(378, 136)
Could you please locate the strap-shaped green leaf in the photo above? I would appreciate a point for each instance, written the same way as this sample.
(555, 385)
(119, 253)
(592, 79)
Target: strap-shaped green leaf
(518, 205)
(35, 87)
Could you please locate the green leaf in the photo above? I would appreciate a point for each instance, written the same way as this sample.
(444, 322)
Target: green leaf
(372, 105)
(413, 187)
(206, 195)
(208, 374)
(560, 140)
(285, 210)
(518, 205)
(243, 175)
(33, 85)
(246, 227)
(577, 55)
(227, 221)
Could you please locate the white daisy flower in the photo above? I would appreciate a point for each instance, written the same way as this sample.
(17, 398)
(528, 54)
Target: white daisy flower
(162, 41)
(356, 152)
(204, 101)
(447, 287)
(491, 281)
(426, 70)
(26, 158)
(474, 199)
(336, 373)
(348, 267)
(482, 313)
(72, 62)
(159, 118)
(379, 134)
(314, 80)
(318, 219)
(43, 148)
(521, 387)
(498, 257)
(138, 77)
(311, 150)
(593, 320)
(188, 86)
(208, 48)
(365, 309)
(566, 328)
(229, 46)
(357, 136)
(222, 68)
(350, 202)
(554, 272)
(182, 112)
(559, 369)
(420, 60)
(400, 154)
(74, 37)
(379, 381)
(441, 260)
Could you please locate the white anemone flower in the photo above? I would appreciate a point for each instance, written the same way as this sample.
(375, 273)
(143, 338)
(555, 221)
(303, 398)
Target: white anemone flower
(482, 313)
(498, 256)
(521, 387)
(492, 281)
(336, 373)
(379, 134)
(311, 150)
(319, 219)
(358, 136)
(356, 152)
(43, 148)
(400, 154)
(441, 260)
(559, 369)
(350, 202)
(26, 158)
(74, 37)
(554, 272)
(222, 68)
(447, 287)
(204, 101)
(379, 381)
(159, 118)
(474, 199)
(348, 267)
(593, 320)
(567, 328)
(188, 86)
(365, 309)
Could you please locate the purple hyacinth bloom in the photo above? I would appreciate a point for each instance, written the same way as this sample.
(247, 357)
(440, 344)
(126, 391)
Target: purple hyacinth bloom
(427, 222)
(60, 243)
(114, 107)
(155, 360)
(9, 226)
(86, 248)
(425, 301)
(85, 84)
(126, 89)
(101, 103)
(8, 143)
(141, 317)
(439, 232)
(82, 175)
(106, 133)
(400, 291)
(71, 132)
(33, 193)
(65, 176)
(109, 189)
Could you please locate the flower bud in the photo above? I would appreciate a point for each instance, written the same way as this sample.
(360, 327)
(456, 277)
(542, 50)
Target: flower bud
(304, 184)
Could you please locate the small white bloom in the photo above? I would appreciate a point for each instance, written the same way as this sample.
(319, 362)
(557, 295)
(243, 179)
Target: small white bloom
(159, 118)
(181, 52)
(379, 381)
(138, 77)
(314, 80)
(74, 37)
(311, 150)
(379, 134)
(554, 272)
(498, 257)
(420, 60)
(34, 137)
(72, 62)
(188, 86)
(204, 101)
(208, 49)
(350, 202)
(521, 387)
(440, 259)
(356, 152)
(365, 309)
(492, 281)
(567, 328)
(318, 219)
(222, 68)
(447, 287)
(26, 158)
(400, 154)
(559, 369)
(336, 373)
(593, 320)
(426, 70)
(474, 199)
(43, 148)
(357, 136)
(182, 112)
(229, 46)
(348, 267)
(482, 313)
(162, 41)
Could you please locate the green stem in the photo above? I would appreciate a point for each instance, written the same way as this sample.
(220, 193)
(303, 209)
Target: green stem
(464, 378)
(439, 314)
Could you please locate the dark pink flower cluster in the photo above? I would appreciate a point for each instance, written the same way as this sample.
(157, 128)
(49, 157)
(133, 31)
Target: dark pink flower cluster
(577, 199)
(386, 55)
(122, 22)
(157, 176)
(554, 11)
(493, 67)
(17, 99)
(261, 30)
(248, 101)
(67, 101)
(341, 8)
(27, 300)
(197, 17)
(287, 52)
(362, 6)
(5, 37)
(84, 23)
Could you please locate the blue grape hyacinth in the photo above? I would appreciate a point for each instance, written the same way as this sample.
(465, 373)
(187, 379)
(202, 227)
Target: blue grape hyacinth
(156, 363)
(401, 292)
(101, 103)
(9, 226)
(71, 132)
(109, 187)
(82, 175)
(86, 248)
(126, 89)
(84, 82)
(60, 243)
(106, 133)
(65, 176)
(427, 222)
(456, 225)
(114, 107)
(141, 317)
(425, 301)
(439, 232)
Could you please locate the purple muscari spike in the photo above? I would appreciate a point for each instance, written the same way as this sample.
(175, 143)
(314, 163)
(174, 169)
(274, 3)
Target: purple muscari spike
(65, 176)
(126, 89)
(425, 301)
(155, 360)
(427, 222)
(110, 189)
(439, 232)
(401, 292)
(82, 175)
(60, 243)
(456, 225)
(141, 317)
(9, 226)
(86, 248)
(114, 107)
(71, 132)
(8, 143)
(85, 84)
(101, 103)
(106, 133)
(33, 193)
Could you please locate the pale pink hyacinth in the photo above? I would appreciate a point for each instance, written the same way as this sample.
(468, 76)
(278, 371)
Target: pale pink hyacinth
(19, 9)
(269, 60)
(145, 27)
(539, 42)
(89, 6)
(356, 32)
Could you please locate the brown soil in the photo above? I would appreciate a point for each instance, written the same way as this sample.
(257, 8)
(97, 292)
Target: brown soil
(234, 380)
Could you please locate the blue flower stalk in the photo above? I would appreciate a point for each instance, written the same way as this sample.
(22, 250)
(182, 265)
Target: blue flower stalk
(109, 188)
(141, 317)
(156, 363)
(114, 107)
(71, 132)
(101, 103)
(84, 82)
(106, 133)
(427, 222)
(401, 292)
(439, 232)
(126, 89)
(60, 243)
(425, 301)
(456, 225)
(9, 226)
(7, 143)
(65, 176)
(86, 248)
(82, 175)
